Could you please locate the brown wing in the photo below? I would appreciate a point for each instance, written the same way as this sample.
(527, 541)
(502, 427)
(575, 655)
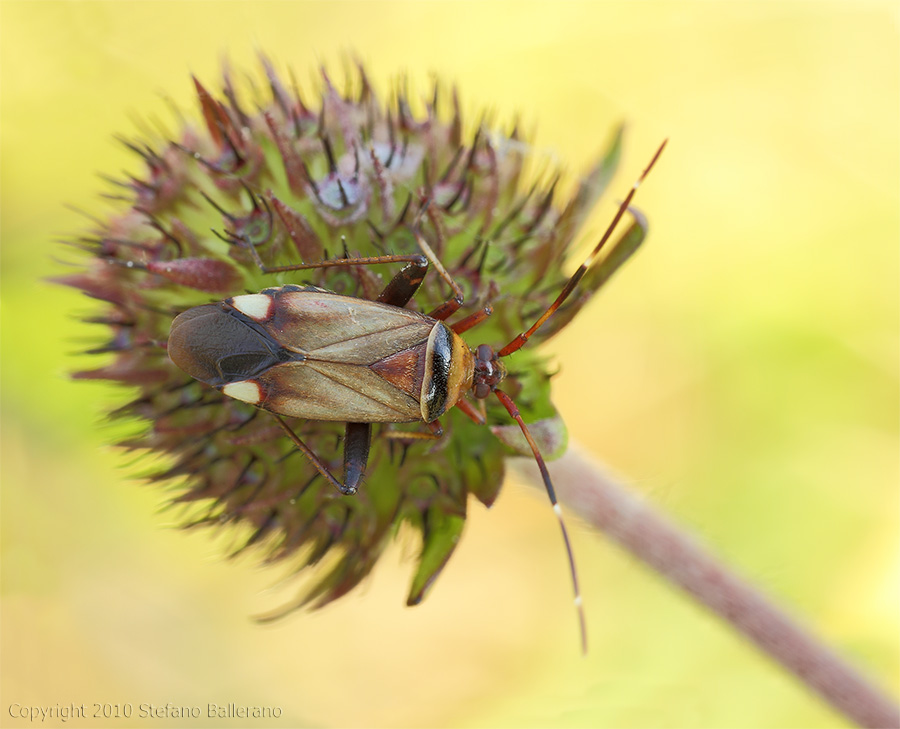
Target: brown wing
(359, 361)
(335, 328)
(334, 391)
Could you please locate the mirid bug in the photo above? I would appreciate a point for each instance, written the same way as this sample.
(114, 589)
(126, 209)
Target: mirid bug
(307, 352)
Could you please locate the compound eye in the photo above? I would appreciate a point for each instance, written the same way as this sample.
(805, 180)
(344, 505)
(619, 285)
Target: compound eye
(485, 353)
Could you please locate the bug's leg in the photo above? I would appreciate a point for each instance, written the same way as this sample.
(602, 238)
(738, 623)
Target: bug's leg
(337, 262)
(472, 319)
(400, 289)
(356, 455)
(313, 458)
(406, 438)
(517, 343)
(551, 492)
(469, 409)
(233, 239)
(435, 431)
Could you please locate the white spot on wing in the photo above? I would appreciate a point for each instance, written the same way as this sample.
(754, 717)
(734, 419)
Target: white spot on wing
(247, 391)
(256, 306)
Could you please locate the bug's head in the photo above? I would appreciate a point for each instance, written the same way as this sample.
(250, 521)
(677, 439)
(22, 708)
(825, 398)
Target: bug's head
(489, 371)
(217, 348)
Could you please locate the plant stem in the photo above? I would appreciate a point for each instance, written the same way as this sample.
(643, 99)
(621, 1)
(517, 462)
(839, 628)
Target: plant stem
(585, 488)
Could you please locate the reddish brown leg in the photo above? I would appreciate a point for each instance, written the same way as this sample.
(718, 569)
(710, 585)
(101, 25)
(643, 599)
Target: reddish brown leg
(517, 343)
(472, 319)
(475, 416)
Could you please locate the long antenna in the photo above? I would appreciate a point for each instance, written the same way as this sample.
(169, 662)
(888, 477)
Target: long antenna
(516, 344)
(519, 341)
(551, 492)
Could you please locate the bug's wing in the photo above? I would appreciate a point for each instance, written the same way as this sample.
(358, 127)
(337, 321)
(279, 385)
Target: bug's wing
(335, 391)
(358, 360)
(334, 328)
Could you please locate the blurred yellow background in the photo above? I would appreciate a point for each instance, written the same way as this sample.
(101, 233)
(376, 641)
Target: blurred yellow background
(741, 371)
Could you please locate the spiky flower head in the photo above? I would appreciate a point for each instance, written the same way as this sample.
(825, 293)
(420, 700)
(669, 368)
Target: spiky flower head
(266, 172)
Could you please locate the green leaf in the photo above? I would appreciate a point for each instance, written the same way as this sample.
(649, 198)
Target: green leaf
(441, 535)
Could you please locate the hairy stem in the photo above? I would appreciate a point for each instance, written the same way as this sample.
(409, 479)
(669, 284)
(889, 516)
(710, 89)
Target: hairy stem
(587, 489)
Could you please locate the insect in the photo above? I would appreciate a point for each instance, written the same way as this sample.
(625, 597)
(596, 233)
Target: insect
(302, 351)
